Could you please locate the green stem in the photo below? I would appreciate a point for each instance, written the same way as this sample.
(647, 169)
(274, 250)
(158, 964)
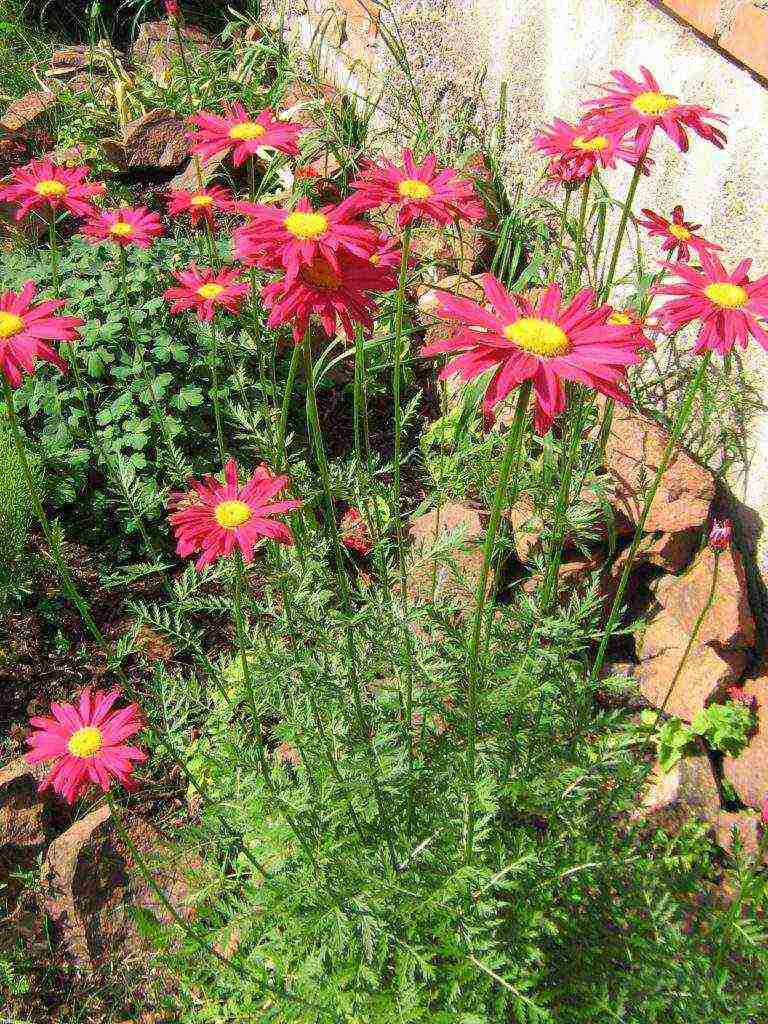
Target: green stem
(358, 394)
(364, 725)
(625, 214)
(66, 580)
(240, 587)
(674, 436)
(561, 234)
(443, 388)
(215, 390)
(580, 257)
(474, 671)
(281, 451)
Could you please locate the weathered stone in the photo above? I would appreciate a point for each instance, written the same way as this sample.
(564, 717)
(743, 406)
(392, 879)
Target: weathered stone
(90, 880)
(748, 773)
(456, 579)
(688, 789)
(719, 654)
(156, 47)
(156, 140)
(632, 457)
(25, 820)
(71, 60)
(748, 828)
(28, 108)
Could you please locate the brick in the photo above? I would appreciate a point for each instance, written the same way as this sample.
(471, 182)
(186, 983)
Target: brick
(747, 38)
(701, 14)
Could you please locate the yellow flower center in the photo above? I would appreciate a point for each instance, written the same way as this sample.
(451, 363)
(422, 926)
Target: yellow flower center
(727, 295)
(201, 201)
(654, 104)
(10, 324)
(590, 145)
(321, 275)
(306, 225)
(231, 514)
(619, 319)
(51, 187)
(680, 232)
(210, 291)
(121, 228)
(539, 337)
(85, 742)
(412, 188)
(246, 130)
(374, 259)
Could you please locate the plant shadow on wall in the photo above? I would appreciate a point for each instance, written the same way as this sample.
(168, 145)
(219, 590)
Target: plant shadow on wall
(383, 686)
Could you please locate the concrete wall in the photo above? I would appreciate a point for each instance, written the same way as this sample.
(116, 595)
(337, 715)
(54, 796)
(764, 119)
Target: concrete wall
(551, 53)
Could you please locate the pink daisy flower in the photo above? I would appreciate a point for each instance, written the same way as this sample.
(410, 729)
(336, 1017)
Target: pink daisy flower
(25, 329)
(236, 130)
(418, 190)
(578, 150)
(42, 184)
(641, 107)
(226, 516)
(335, 294)
(727, 304)
(720, 534)
(125, 226)
(205, 291)
(388, 254)
(546, 343)
(201, 205)
(289, 238)
(628, 318)
(86, 742)
(678, 234)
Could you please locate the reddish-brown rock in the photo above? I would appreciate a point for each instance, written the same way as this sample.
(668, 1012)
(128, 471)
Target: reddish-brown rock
(156, 140)
(746, 825)
(90, 880)
(632, 457)
(719, 654)
(748, 773)
(458, 570)
(688, 789)
(26, 825)
(23, 111)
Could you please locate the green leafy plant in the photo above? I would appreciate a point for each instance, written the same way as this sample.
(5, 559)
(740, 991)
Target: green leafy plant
(725, 727)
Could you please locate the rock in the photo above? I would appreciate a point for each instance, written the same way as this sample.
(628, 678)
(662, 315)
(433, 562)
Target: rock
(70, 60)
(157, 48)
(156, 140)
(719, 654)
(90, 882)
(187, 179)
(748, 773)
(632, 457)
(26, 825)
(748, 828)
(688, 789)
(455, 582)
(28, 108)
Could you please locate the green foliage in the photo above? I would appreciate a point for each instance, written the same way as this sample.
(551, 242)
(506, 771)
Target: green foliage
(15, 515)
(725, 727)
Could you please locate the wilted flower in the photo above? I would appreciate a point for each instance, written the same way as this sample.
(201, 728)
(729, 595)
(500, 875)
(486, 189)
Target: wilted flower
(26, 329)
(577, 150)
(206, 290)
(545, 343)
(679, 234)
(86, 742)
(228, 516)
(641, 107)
(42, 183)
(720, 534)
(727, 304)
(339, 294)
(355, 534)
(418, 190)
